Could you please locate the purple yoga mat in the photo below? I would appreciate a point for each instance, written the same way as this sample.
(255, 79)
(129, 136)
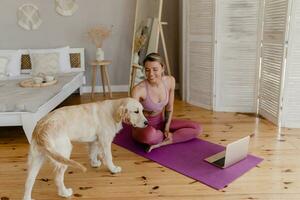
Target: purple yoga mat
(187, 158)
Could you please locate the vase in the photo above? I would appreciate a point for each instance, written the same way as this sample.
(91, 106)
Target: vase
(99, 54)
(136, 58)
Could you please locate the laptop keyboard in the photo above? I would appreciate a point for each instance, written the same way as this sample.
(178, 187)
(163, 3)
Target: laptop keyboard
(220, 162)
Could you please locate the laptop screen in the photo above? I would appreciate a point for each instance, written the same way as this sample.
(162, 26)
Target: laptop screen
(220, 162)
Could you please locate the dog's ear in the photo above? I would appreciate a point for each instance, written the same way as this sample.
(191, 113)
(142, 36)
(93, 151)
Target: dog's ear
(120, 113)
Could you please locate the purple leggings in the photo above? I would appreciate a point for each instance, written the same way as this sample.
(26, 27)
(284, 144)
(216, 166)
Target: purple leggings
(183, 130)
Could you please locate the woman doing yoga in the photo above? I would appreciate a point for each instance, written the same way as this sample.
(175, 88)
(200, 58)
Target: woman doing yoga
(156, 94)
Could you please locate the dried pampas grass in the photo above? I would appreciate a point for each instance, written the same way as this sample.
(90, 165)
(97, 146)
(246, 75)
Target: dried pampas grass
(98, 34)
(139, 42)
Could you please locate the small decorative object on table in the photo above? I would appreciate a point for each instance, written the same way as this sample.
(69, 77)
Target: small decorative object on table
(37, 80)
(97, 35)
(49, 78)
(99, 54)
(34, 83)
(41, 80)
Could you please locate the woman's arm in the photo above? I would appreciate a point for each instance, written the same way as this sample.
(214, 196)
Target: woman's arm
(135, 93)
(138, 92)
(169, 106)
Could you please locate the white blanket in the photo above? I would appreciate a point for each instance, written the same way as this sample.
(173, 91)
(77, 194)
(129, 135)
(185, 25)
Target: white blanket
(14, 98)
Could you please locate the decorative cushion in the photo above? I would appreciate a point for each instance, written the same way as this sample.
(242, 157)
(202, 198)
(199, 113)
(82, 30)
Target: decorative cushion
(64, 56)
(3, 65)
(47, 64)
(13, 67)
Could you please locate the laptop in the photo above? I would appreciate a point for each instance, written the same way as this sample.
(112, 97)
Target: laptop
(234, 152)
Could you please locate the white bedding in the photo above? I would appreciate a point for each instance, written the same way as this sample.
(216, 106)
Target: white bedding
(14, 98)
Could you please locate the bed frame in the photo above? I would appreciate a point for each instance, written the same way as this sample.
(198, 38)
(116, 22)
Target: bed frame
(28, 120)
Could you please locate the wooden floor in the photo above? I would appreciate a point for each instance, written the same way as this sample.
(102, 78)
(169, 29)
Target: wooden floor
(277, 177)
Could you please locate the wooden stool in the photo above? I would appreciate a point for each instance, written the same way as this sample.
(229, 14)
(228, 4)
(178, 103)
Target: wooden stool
(104, 76)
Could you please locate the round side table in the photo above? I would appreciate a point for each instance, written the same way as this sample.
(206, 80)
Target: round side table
(104, 76)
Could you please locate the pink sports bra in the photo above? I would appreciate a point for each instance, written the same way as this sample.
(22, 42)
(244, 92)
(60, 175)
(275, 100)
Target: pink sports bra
(149, 105)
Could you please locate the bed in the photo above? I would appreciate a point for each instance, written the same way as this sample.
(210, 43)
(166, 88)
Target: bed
(25, 106)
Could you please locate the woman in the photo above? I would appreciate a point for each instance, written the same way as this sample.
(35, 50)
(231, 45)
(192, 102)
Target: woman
(156, 94)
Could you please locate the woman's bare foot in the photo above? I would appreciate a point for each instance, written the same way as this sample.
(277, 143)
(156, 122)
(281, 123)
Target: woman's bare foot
(151, 147)
(163, 143)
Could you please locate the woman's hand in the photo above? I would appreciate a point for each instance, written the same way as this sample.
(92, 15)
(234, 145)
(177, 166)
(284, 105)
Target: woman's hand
(168, 135)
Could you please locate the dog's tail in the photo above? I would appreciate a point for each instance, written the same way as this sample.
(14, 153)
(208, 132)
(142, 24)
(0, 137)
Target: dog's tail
(51, 153)
(42, 139)
(61, 159)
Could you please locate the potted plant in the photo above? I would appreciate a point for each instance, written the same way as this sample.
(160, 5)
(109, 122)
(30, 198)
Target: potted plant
(97, 35)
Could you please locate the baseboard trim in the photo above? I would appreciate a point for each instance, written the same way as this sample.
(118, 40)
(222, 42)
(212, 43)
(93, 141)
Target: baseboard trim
(114, 88)
(98, 88)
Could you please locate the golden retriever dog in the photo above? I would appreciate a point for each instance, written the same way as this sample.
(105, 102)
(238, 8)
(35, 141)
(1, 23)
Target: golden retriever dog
(96, 123)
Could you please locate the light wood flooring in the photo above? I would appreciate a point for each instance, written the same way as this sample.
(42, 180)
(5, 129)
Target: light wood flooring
(277, 177)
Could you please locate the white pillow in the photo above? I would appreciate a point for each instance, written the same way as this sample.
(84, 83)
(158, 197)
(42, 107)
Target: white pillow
(64, 56)
(46, 64)
(13, 67)
(3, 64)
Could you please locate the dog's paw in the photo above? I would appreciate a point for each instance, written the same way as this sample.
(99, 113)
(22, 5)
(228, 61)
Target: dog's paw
(95, 163)
(116, 169)
(66, 192)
